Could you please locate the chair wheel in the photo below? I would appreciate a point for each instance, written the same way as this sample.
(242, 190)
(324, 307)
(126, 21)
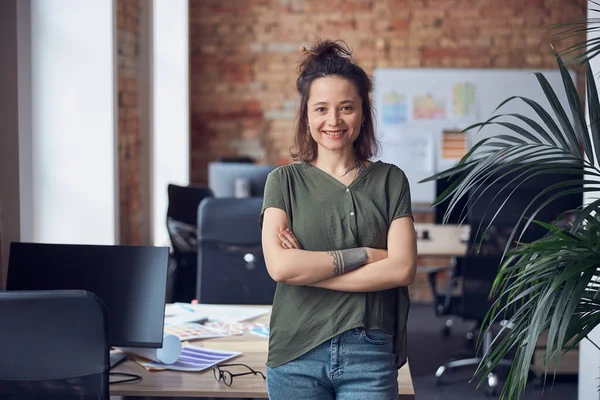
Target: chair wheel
(492, 384)
(440, 371)
(446, 331)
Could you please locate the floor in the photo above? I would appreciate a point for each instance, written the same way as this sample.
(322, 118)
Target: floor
(428, 349)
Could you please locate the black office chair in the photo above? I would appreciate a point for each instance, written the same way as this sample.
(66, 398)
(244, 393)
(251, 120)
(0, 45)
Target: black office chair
(181, 225)
(478, 274)
(445, 300)
(231, 265)
(448, 300)
(53, 345)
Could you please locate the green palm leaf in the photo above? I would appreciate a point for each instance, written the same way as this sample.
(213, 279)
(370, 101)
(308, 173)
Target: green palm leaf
(546, 286)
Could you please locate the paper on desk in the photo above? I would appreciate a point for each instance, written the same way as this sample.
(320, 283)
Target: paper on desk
(180, 313)
(192, 358)
(191, 331)
(261, 330)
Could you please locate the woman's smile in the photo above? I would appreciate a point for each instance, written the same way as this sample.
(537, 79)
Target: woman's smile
(335, 134)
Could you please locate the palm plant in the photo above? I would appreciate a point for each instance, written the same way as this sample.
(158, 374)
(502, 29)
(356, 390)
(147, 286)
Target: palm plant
(550, 285)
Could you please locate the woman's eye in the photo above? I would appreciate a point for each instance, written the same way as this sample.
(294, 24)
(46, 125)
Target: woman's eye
(320, 109)
(346, 108)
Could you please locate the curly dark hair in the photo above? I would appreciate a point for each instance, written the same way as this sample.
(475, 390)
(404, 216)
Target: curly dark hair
(332, 58)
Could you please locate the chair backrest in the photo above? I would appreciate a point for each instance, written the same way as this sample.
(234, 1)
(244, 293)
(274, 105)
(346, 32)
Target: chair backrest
(54, 345)
(182, 215)
(231, 265)
(224, 179)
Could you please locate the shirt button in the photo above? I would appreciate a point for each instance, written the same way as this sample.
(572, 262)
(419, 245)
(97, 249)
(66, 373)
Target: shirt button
(347, 190)
(352, 213)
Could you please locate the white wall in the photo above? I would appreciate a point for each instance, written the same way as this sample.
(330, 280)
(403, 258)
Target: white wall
(170, 154)
(589, 355)
(73, 121)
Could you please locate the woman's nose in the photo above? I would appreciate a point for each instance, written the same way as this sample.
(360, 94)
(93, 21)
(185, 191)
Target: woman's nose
(333, 118)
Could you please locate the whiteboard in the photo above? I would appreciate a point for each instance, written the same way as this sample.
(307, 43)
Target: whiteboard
(418, 111)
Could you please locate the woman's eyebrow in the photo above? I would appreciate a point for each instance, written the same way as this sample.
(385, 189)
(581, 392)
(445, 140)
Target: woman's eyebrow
(324, 103)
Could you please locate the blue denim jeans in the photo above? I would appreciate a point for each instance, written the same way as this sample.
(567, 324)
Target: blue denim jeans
(358, 364)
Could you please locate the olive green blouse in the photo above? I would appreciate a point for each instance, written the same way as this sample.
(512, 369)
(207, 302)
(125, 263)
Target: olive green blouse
(325, 215)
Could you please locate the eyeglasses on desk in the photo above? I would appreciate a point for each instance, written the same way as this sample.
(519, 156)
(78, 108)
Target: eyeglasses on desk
(227, 377)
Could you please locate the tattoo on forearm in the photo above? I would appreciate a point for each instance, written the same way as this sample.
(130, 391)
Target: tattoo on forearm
(338, 265)
(348, 260)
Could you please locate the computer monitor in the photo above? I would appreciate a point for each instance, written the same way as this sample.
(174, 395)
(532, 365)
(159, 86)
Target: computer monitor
(440, 210)
(131, 280)
(483, 205)
(222, 177)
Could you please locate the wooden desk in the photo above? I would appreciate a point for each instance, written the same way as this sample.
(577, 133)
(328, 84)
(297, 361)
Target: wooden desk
(203, 384)
(444, 240)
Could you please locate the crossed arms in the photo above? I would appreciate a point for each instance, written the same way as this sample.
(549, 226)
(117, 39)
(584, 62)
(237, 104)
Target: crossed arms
(368, 269)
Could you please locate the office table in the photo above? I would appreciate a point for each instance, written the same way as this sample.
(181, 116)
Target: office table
(203, 384)
(437, 249)
(442, 240)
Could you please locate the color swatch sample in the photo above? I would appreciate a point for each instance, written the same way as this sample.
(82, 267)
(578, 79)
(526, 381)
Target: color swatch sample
(463, 99)
(193, 358)
(454, 145)
(428, 106)
(195, 331)
(395, 108)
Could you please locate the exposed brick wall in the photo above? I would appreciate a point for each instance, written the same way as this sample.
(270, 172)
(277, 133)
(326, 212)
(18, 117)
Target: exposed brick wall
(243, 58)
(130, 195)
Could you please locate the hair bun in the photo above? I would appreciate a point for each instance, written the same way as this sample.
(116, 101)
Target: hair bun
(328, 48)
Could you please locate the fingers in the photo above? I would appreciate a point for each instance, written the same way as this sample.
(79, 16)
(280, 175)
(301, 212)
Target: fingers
(288, 239)
(285, 242)
(292, 239)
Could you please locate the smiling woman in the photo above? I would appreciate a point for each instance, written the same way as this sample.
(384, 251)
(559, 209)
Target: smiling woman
(338, 237)
(335, 114)
(335, 100)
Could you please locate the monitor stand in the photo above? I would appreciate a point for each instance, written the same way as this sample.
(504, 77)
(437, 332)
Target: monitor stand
(116, 357)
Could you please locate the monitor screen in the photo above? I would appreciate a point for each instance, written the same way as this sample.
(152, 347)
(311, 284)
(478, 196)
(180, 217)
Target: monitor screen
(485, 205)
(459, 209)
(222, 177)
(131, 280)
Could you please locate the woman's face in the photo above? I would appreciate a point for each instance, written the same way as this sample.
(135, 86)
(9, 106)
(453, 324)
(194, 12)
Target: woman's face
(334, 112)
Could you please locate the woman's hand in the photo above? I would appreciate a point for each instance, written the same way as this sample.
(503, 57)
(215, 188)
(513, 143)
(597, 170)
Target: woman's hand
(288, 239)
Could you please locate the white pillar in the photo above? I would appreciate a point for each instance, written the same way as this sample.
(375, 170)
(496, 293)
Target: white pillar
(171, 152)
